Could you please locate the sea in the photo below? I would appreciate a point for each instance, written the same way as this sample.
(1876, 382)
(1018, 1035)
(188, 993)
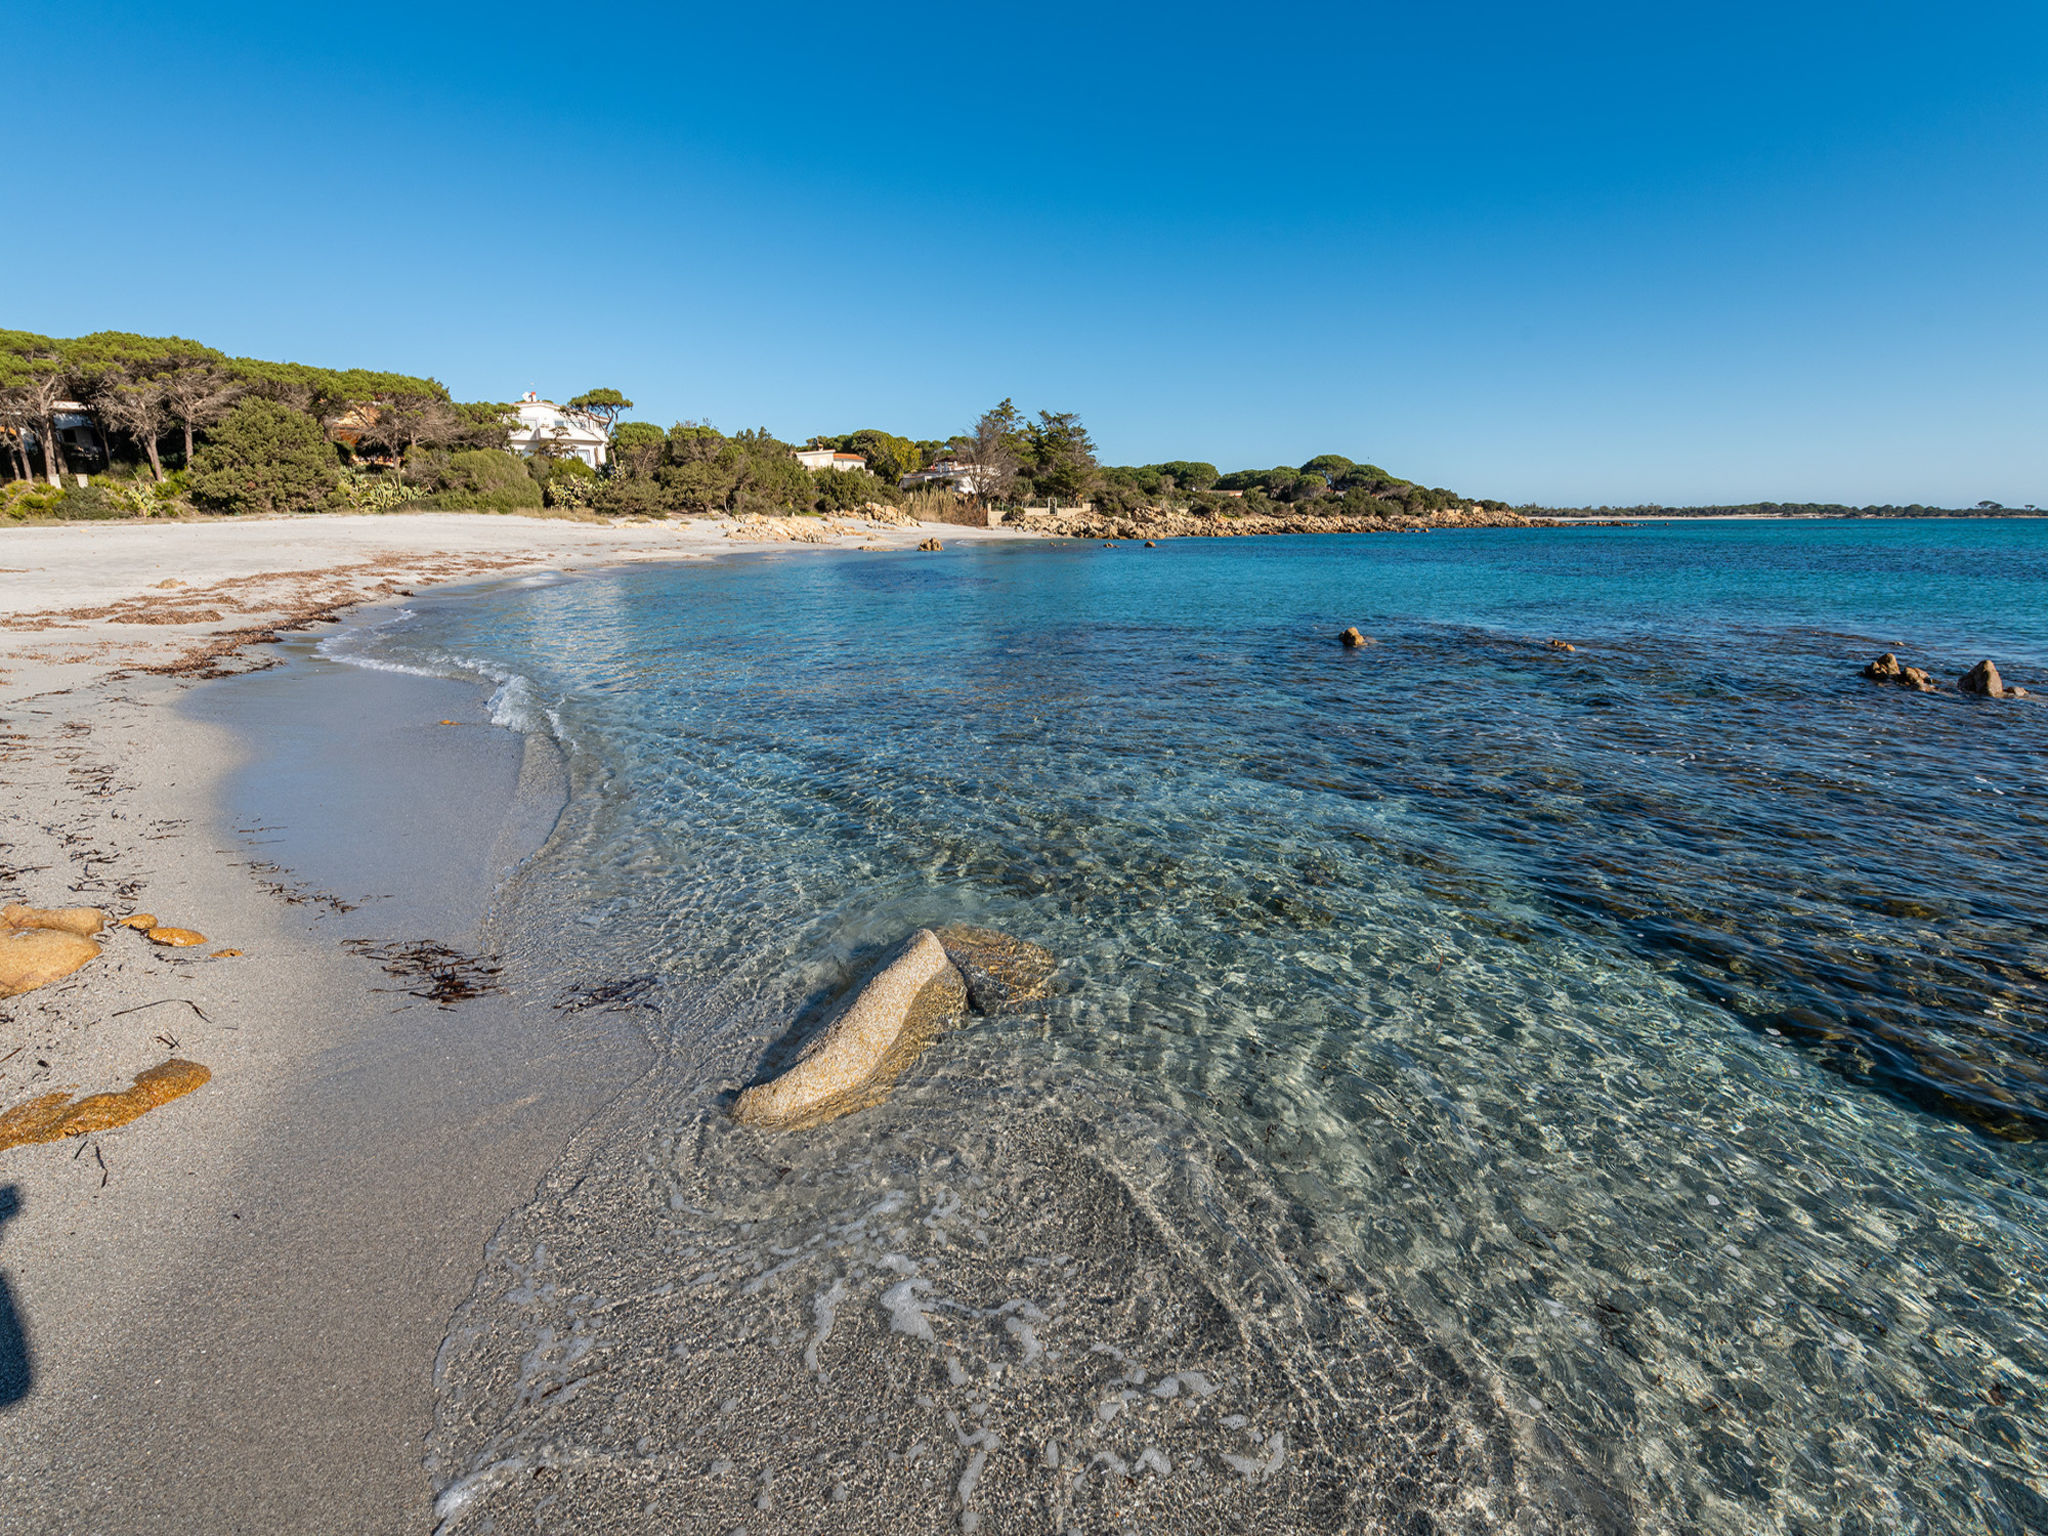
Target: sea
(1577, 1061)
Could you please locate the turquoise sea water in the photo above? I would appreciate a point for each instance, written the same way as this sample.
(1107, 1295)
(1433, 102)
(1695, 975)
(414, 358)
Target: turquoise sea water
(1526, 1089)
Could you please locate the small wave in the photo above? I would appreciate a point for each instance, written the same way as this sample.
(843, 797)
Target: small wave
(515, 703)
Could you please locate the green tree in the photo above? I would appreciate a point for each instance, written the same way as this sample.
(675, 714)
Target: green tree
(637, 448)
(1062, 456)
(1327, 467)
(889, 457)
(1189, 474)
(605, 406)
(483, 480)
(34, 376)
(266, 457)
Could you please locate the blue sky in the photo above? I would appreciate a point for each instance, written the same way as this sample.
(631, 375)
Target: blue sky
(1588, 253)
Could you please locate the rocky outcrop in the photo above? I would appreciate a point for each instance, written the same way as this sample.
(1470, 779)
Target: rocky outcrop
(1158, 523)
(1351, 639)
(1886, 669)
(852, 1062)
(1561, 645)
(1883, 670)
(1917, 680)
(931, 546)
(1000, 971)
(35, 957)
(904, 1007)
(1983, 680)
(54, 1116)
(83, 921)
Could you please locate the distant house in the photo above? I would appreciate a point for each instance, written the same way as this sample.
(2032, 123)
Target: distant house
(543, 425)
(828, 458)
(967, 479)
(79, 438)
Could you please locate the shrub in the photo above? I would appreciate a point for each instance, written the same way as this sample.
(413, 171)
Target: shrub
(484, 480)
(23, 499)
(265, 457)
(619, 497)
(365, 492)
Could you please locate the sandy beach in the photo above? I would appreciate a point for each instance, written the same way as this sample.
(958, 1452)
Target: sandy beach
(223, 1316)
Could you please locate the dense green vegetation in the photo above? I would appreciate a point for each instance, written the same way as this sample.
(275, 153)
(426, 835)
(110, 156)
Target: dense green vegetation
(177, 425)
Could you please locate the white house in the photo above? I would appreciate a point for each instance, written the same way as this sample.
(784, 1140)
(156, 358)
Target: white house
(827, 458)
(964, 478)
(565, 433)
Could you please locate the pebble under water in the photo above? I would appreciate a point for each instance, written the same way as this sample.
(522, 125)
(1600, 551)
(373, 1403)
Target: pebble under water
(1486, 1087)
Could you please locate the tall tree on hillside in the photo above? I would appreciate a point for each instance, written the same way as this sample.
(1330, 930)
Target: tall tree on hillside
(407, 419)
(1062, 456)
(604, 405)
(637, 448)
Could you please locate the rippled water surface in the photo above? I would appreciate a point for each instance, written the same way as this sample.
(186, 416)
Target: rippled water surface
(1486, 1087)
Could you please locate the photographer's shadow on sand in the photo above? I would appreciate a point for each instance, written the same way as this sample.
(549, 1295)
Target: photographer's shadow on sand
(15, 1374)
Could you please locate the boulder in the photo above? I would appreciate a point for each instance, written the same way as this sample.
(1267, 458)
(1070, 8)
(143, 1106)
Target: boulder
(1983, 680)
(83, 921)
(175, 938)
(35, 957)
(853, 1060)
(1561, 645)
(1917, 680)
(1351, 639)
(141, 920)
(931, 545)
(1150, 545)
(1885, 668)
(999, 971)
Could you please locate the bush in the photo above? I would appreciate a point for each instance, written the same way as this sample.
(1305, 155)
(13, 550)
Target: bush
(365, 492)
(484, 480)
(618, 497)
(265, 457)
(571, 483)
(843, 490)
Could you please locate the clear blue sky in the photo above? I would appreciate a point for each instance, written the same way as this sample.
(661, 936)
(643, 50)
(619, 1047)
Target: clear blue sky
(1567, 253)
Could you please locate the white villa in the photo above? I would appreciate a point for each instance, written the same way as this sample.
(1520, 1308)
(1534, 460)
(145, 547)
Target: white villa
(566, 433)
(827, 458)
(964, 478)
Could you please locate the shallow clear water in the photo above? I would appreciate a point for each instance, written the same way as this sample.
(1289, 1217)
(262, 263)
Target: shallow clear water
(1591, 1090)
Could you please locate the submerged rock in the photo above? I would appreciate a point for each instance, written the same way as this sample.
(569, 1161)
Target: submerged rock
(1884, 669)
(175, 938)
(35, 957)
(999, 971)
(852, 1062)
(54, 1116)
(1983, 680)
(1351, 639)
(83, 921)
(1561, 645)
(1916, 679)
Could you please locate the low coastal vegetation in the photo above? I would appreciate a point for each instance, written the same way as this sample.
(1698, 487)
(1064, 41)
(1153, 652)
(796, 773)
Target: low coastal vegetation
(118, 425)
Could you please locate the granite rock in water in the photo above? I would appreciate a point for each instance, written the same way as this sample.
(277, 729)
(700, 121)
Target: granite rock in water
(931, 545)
(1561, 645)
(853, 1061)
(1884, 669)
(1351, 639)
(35, 957)
(83, 921)
(1983, 680)
(1917, 679)
(999, 971)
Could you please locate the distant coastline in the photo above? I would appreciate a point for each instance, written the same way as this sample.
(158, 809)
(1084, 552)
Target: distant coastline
(1775, 509)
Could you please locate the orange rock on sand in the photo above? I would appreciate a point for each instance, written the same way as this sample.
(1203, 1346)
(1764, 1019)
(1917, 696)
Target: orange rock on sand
(225, 954)
(53, 1116)
(175, 938)
(142, 920)
(35, 957)
(83, 921)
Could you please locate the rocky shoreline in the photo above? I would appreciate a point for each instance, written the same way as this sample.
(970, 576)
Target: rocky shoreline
(1159, 524)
